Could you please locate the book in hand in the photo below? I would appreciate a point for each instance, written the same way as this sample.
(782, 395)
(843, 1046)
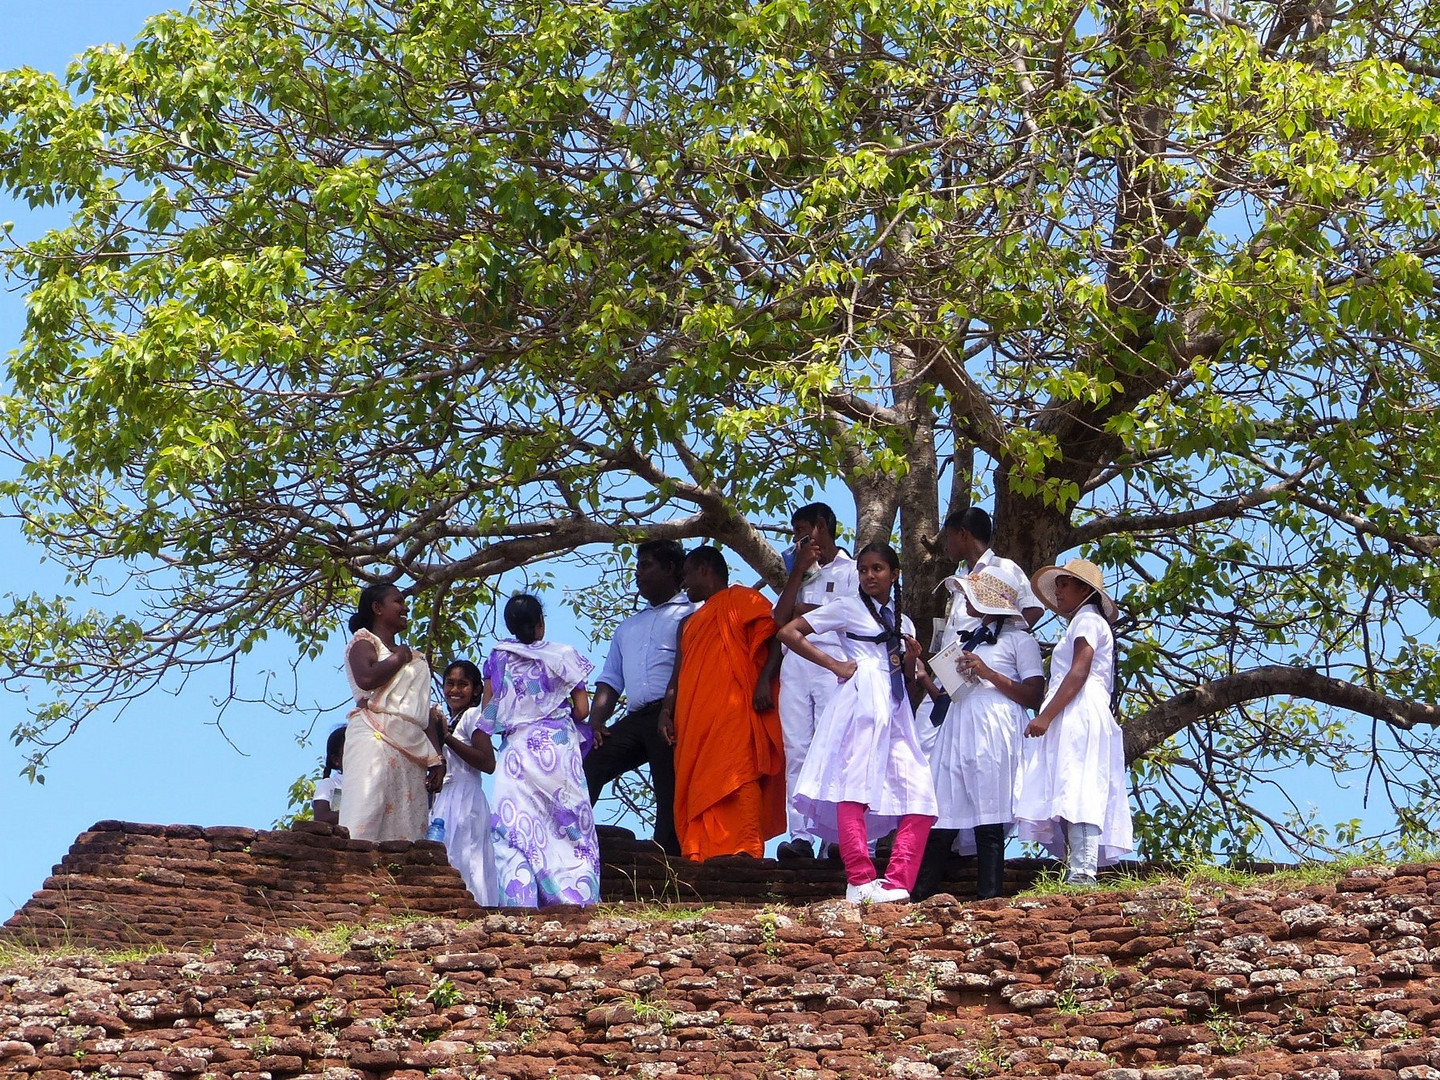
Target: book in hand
(942, 666)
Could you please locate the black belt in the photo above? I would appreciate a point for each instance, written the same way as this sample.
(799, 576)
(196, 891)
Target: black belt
(647, 707)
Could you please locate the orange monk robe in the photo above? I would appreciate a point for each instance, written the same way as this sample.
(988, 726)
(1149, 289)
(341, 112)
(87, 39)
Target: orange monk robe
(729, 759)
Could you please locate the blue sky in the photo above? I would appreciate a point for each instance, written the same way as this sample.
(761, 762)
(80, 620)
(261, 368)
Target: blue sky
(163, 761)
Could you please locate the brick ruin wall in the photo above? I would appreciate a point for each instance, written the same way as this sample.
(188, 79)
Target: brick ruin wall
(1181, 980)
(123, 883)
(127, 884)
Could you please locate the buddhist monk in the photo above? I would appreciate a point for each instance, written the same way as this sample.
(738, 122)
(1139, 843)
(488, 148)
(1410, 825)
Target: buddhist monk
(719, 714)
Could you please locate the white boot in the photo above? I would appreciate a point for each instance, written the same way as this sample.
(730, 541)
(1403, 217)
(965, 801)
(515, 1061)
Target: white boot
(1082, 854)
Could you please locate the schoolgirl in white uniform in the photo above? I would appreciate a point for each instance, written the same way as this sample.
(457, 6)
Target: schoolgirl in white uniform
(978, 752)
(1074, 796)
(865, 773)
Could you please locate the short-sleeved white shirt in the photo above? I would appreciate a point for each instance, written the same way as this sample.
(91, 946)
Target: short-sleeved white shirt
(835, 580)
(1014, 654)
(1090, 626)
(853, 617)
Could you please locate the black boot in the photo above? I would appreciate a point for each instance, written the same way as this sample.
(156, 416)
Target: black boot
(990, 861)
(932, 865)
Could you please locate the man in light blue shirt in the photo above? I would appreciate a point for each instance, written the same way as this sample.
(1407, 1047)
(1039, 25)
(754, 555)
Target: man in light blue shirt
(641, 658)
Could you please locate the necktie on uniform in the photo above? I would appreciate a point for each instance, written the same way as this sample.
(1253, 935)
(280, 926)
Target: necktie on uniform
(893, 645)
(984, 634)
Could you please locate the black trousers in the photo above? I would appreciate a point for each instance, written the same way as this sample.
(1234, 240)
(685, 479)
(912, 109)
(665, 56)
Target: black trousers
(635, 740)
(989, 862)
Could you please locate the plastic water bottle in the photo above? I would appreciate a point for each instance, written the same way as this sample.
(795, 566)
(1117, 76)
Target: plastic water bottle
(436, 831)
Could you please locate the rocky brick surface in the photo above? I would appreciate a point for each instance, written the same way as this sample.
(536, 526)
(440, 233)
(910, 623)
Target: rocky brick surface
(1170, 982)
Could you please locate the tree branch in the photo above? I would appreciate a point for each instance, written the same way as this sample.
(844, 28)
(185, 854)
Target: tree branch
(1151, 728)
(1421, 544)
(1224, 509)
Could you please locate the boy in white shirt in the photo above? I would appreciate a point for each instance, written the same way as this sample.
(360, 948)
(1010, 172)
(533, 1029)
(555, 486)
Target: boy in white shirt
(822, 573)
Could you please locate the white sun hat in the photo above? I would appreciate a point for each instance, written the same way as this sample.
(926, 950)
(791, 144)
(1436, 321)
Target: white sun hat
(992, 590)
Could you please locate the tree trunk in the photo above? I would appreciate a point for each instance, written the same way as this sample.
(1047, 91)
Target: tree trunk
(1028, 530)
(922, 558)
(877, 497)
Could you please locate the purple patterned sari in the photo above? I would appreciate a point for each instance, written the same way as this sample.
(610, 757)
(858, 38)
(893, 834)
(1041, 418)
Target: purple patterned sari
(544, 833)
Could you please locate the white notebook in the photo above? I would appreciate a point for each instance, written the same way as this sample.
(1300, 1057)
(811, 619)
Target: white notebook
(942, 666)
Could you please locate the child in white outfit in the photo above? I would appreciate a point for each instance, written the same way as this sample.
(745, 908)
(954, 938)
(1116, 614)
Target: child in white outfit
(325, 802)
(977, 754)
(461, 804)
(1073, 790)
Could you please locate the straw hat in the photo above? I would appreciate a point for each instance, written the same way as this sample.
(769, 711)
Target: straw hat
(992, 590)
(1043, 582)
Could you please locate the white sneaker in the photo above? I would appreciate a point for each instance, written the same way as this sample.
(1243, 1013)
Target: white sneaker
(891, 894)
(875, 892)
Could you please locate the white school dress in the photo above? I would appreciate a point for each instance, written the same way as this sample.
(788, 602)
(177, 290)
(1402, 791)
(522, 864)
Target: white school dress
(979, 749)
(1076, 771)
(865, 748)
(806, 688)
(463, 807)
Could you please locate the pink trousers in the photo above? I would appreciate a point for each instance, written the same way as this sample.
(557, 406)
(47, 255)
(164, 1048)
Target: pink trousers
(904, 856)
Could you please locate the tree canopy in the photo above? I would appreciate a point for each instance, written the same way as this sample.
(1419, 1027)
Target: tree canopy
(428, 290)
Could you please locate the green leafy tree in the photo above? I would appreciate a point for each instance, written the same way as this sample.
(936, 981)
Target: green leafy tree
(430, 290)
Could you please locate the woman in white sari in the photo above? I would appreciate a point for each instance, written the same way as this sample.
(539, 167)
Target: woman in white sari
(390, 759)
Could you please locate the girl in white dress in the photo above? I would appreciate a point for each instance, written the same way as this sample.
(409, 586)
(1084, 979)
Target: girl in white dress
(461, 804)
(1074, 797)
(977, 754)
(865, 773)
